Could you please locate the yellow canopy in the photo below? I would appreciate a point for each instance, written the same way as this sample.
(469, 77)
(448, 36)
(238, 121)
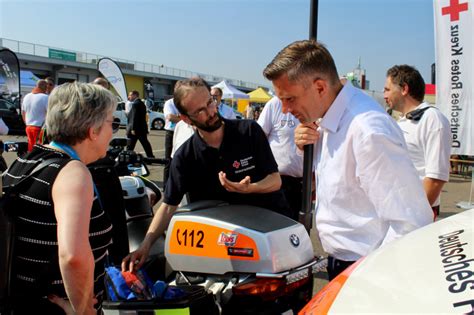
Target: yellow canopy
(259, 96)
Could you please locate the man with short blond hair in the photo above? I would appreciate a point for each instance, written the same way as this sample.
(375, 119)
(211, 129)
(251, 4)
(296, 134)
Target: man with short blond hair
(367, 189)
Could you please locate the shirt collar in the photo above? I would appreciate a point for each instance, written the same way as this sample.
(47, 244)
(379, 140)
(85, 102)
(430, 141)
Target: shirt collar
(420, 106)
(333, 116)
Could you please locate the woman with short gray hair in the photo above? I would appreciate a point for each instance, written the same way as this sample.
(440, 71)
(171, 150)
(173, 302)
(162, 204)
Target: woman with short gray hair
(62, 232)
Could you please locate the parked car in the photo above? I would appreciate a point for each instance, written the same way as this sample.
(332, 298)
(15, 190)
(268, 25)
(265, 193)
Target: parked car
(428, 271)
(155, 120)
(10, 113)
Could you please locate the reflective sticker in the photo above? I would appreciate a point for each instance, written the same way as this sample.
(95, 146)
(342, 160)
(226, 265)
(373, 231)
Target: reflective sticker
(227, 239)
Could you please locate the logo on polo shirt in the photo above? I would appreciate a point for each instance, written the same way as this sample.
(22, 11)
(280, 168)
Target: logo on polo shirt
(244, 164)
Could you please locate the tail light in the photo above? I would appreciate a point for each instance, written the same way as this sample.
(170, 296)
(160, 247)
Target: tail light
(268, 288)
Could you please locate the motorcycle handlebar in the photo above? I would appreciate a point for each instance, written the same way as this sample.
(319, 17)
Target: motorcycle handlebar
(148, 160)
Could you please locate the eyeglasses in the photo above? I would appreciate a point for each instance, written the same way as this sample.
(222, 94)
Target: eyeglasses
(205, 110)
(215, 97)
(115, 125)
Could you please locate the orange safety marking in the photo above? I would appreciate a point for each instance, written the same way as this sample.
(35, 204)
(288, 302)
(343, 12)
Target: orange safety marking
(198, 239)
(322, 302)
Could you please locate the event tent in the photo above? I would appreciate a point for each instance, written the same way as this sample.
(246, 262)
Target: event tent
(229, 91)
(259, 96)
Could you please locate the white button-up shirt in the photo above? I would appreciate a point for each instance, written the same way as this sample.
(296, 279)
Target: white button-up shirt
(429, 144)
(368, 191)
(280, 131)
(226, 111)
(169, 109)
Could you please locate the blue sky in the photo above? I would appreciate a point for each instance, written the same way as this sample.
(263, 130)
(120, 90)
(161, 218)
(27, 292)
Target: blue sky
(230, 38)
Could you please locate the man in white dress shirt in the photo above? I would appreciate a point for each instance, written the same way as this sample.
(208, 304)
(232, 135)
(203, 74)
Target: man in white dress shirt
(225, 111)
(279, 128)
(367, 189)
(426, 130)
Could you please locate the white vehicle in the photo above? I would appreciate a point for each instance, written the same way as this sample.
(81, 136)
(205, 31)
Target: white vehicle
(155, 120)
(428, 271)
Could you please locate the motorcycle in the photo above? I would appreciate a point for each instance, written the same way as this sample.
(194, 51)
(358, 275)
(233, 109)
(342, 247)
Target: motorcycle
(252, 260)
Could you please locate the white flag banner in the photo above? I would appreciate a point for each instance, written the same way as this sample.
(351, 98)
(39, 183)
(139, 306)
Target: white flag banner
(454, 37)
(111, 71)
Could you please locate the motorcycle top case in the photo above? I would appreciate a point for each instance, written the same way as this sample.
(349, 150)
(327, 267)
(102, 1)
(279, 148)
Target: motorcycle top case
(195, 302)
(219, 238)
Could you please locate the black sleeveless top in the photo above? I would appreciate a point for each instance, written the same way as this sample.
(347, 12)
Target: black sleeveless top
(36, 270)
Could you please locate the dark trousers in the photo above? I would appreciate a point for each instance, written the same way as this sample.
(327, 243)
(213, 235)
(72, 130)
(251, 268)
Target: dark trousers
(336, 266)
(143, 140)
(292, 187)
(168, 148)
(435, 211)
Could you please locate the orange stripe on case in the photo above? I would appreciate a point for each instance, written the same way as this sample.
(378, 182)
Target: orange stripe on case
(198, 239)
(321, 303)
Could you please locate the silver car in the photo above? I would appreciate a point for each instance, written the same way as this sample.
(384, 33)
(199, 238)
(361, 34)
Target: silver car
(156, 120)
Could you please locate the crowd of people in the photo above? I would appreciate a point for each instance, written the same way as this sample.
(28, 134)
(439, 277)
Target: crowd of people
(375, 179)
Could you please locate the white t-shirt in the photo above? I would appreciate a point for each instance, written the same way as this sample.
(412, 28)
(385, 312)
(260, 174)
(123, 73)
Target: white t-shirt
(429, 143)
(169, 108)
(280, 131)
(35, 106)
(182, 132)
(367, 189)
(226, 111)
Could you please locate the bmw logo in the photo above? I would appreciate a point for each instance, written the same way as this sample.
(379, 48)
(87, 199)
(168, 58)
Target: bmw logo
(295, 240)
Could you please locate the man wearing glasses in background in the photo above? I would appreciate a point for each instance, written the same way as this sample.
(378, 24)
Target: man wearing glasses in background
(225, 111)
(227, 160)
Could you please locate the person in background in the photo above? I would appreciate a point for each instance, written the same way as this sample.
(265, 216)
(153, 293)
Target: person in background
(426, 130)
(280, 130)
(33, 110)
(225, 111)
(182, 132)
(249, 112)
(102, 82)
(368, 191)
(50, 85)
(227, 160)
(62, 232)
(137, 127)
(171, 119)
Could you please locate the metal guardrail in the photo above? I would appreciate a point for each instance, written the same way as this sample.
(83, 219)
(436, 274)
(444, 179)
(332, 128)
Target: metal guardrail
(84, 57)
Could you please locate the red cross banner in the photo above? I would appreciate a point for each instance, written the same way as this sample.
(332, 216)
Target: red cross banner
(454, 37)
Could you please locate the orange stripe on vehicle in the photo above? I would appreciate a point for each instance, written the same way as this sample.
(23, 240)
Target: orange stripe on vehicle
(198, 239)
(321, 302)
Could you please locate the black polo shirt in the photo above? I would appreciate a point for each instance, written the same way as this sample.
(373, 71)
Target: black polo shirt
(244, 152)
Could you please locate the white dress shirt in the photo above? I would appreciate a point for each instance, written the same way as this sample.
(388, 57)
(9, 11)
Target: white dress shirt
(169, 108)
(280, 131)
(367, 189)
(182, 132)
(429, 144)
(226, 111)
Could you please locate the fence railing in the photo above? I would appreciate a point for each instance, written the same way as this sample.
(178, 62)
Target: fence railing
(84, 57)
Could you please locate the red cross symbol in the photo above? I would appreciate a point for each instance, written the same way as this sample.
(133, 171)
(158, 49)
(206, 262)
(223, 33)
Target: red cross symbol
(236, 164)
(454, 9)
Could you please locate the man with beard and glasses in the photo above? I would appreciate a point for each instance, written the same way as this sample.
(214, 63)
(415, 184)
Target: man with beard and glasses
(228, 160)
